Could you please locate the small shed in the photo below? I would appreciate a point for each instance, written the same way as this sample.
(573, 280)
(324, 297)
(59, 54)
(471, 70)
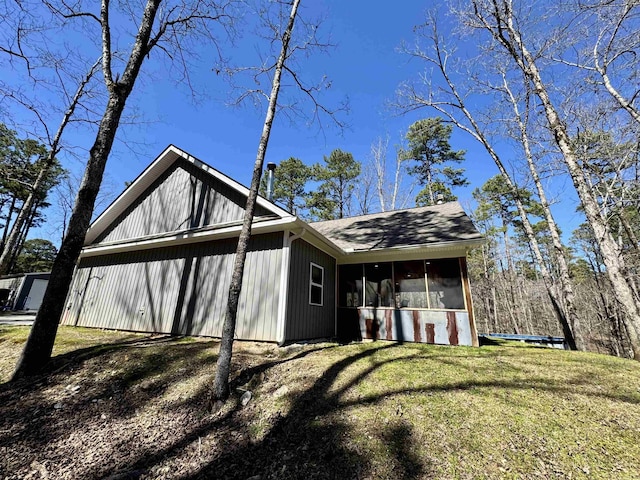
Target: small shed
(23, 291)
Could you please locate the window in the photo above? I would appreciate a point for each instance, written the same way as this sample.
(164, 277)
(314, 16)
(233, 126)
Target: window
(445, 284)
(316, 282)
(429, 284)
(379, 285)
(411, 290)
(350, 285)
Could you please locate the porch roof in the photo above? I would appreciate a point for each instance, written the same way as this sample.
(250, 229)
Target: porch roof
(437, 224)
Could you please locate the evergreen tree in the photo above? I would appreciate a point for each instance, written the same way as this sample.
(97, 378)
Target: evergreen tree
(21, 163)
(332, 199)
(428, 146)
(290, 180)
(37, 256)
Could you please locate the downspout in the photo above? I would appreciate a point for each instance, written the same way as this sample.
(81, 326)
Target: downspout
(284, 283)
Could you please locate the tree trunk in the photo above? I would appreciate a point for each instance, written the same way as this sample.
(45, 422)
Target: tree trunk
(37, 350)
(476, 132)
(13, 241)
(432, 198)
(8, 222)
(39, 346)
(9, 245)
(223, 368)
(571, 325)
(616, 269)
(23, 236)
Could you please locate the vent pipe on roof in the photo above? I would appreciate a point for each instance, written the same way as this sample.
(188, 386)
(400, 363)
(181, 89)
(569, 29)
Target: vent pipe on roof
(271, 167)
(439, 199)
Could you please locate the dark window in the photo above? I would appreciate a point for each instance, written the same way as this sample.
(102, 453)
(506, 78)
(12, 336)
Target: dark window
(350, 285)
(411, 291)
(379, 286)
(316, 282)
(445, 284)
(402, 284)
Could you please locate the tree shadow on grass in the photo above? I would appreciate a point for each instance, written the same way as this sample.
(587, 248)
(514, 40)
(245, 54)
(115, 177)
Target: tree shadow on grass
(311, 442)
(61, 401)
(313, 439)
(77, 356)
(37, 414)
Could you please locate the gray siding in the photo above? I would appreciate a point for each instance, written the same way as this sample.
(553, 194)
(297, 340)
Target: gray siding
(180, 290)
(21, 286)
(305, 321)
(183, 197)
(11, 283)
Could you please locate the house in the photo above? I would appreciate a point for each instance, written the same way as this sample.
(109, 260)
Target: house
(23, 291)
(159, 259)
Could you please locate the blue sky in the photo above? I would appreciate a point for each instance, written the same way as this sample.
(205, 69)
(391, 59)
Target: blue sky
(365, 66)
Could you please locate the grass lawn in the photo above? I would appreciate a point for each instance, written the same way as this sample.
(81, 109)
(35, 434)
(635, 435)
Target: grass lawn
(135, 405)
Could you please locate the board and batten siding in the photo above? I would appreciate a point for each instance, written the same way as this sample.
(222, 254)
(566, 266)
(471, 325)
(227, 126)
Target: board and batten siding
(180, 290)
(306, 321)
(182, 198)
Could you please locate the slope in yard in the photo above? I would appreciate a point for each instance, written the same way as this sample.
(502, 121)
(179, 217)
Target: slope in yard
(374, 410)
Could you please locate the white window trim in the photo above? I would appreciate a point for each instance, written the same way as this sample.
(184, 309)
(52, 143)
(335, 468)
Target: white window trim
(313, 284)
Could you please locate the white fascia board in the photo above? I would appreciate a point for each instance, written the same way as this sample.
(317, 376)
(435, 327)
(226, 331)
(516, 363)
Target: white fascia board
(315, 238)
(417, 252)
(263, 202)
(150, 175)
(187, 237)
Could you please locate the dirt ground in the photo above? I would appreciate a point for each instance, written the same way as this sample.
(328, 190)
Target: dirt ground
(122, 406)
(138, 410)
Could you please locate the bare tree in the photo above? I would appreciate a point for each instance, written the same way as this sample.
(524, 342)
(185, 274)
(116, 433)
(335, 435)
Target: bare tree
(54, 146)
(613, 55)
(223, 367)
(284, 65)
(567, 294)
(450, 102)
(499, 18)
(364, 191)
(160, 29)
(391, 193)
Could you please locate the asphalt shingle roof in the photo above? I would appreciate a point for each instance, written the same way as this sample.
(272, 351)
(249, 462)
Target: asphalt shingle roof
(401, 228)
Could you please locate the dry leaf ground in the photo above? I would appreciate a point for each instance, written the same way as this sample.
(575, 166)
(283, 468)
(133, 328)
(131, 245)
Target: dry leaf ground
(119, 405)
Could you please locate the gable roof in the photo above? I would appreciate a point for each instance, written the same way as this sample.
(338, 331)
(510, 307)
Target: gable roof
(416, 227)
(420, 230)
(160, 165)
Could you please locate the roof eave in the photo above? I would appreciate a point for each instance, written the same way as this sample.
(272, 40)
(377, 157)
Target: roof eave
(187, 237)
(412, 252)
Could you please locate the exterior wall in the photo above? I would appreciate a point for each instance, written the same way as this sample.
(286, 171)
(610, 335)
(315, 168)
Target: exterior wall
(180, 290)
(21, 286)
(183, 197)
(305, 321)
(10, 287)
(406, 325)
(11, 283)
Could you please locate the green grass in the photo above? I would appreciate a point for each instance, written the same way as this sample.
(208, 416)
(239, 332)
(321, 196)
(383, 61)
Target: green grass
(373, 410)
(69, 340)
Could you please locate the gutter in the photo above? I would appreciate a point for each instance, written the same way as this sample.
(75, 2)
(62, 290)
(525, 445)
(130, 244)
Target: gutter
(186, 237)
(427, 246)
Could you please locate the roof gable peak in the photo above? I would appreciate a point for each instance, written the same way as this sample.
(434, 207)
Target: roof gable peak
(149, 175)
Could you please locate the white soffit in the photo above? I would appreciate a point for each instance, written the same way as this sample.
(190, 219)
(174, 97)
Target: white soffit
(417, 252)
(184, 238)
